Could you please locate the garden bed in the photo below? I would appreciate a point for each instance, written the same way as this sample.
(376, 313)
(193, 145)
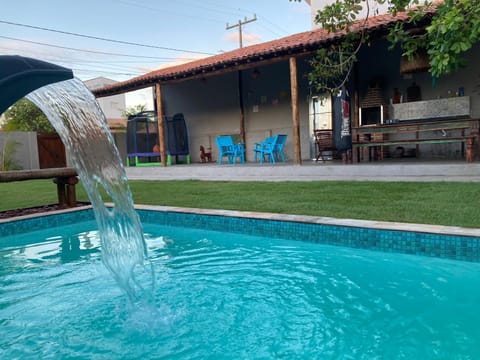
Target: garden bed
(35, 210)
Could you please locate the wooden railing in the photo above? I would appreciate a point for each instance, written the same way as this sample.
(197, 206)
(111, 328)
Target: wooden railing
(65, 178)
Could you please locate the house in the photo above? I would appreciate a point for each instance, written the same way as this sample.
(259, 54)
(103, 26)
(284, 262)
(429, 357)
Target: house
(261, 90)
(112, 106)
(374, 8)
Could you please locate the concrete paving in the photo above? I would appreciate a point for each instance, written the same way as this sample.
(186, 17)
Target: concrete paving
(312, 171)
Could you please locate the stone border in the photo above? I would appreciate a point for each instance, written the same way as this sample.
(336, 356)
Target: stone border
(380, 225)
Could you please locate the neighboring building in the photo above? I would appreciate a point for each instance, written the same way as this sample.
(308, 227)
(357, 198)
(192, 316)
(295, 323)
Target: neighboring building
(112, 106)
(140, 97)
(374, 9)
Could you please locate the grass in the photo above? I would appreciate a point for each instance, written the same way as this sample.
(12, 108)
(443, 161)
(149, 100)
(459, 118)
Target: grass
(453, 204)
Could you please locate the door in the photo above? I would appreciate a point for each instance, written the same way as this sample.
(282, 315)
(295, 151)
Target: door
(51, 151)
(320, 115)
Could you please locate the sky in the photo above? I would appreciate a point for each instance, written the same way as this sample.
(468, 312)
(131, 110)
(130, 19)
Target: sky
(160, 33)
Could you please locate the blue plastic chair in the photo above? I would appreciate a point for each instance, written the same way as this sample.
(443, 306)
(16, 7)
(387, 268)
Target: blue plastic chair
(259, 148)
(271, 147)
(278, 147)
(227, 148)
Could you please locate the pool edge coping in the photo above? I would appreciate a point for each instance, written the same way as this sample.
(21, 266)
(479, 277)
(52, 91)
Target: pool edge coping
(46, 213)
(369, 224)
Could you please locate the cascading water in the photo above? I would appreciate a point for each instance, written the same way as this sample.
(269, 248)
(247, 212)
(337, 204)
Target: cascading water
(81, 124)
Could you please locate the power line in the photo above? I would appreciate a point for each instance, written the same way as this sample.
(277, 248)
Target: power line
(104, 66)
(163, 11)
(242, 10)
(129, 61)
(101, 72)
(102, 39)
(273, 24)
(209, 8)
(91, 51)
(97, 67)
(214, 8)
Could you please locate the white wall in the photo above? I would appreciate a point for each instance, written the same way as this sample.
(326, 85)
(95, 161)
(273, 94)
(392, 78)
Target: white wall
(268, 109)
(373, 9)
(211, 108)
(140, 97)
(26, 152)
(112, 106)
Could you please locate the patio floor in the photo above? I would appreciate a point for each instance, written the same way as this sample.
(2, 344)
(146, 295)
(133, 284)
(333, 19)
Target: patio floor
(314, 171)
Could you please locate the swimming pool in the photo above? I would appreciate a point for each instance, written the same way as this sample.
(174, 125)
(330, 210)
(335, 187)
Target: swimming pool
(238, 293)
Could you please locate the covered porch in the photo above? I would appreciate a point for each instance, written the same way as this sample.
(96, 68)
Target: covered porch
(262, 90)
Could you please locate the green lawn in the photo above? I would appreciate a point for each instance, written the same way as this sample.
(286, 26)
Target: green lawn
(429, 203)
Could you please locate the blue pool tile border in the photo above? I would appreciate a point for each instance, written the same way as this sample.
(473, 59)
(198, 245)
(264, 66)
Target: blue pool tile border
(311, 229)
(47, 220)
(458, 247)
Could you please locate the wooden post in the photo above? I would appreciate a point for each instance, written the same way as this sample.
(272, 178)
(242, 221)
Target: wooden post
(297, 160)
(71, 194)
(357, 153)
(242, 112)
(356, 97)
(61, 191)
(161, 125)
(66, 190)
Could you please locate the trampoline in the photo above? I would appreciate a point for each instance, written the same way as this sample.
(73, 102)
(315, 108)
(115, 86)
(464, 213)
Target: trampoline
(143, 142)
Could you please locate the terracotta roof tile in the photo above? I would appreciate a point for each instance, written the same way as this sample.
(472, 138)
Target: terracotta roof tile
(294, 44)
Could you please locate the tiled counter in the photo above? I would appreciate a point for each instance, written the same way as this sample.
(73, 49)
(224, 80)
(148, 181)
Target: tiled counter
(432, 109)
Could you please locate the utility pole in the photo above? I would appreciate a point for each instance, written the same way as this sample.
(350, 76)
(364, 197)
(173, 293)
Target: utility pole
(240, 80)
(240, 24)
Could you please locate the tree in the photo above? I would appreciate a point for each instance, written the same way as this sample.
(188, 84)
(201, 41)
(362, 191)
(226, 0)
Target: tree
(453, 30)
(26, 116)
(134, 110)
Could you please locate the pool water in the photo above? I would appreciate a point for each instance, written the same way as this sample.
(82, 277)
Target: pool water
(223, 295)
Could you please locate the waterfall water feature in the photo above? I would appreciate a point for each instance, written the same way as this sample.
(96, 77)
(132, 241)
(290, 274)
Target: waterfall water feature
(81, 124)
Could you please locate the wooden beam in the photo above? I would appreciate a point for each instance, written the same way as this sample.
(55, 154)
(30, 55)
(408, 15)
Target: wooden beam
(161, 125)
(21, 175)
(297, 159)
(65, 178)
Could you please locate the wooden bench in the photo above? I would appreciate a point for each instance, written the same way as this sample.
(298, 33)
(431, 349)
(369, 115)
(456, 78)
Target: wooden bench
(376, 137)
(65, 178)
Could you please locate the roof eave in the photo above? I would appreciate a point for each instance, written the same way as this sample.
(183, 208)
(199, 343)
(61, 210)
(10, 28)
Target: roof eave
(239, 59)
